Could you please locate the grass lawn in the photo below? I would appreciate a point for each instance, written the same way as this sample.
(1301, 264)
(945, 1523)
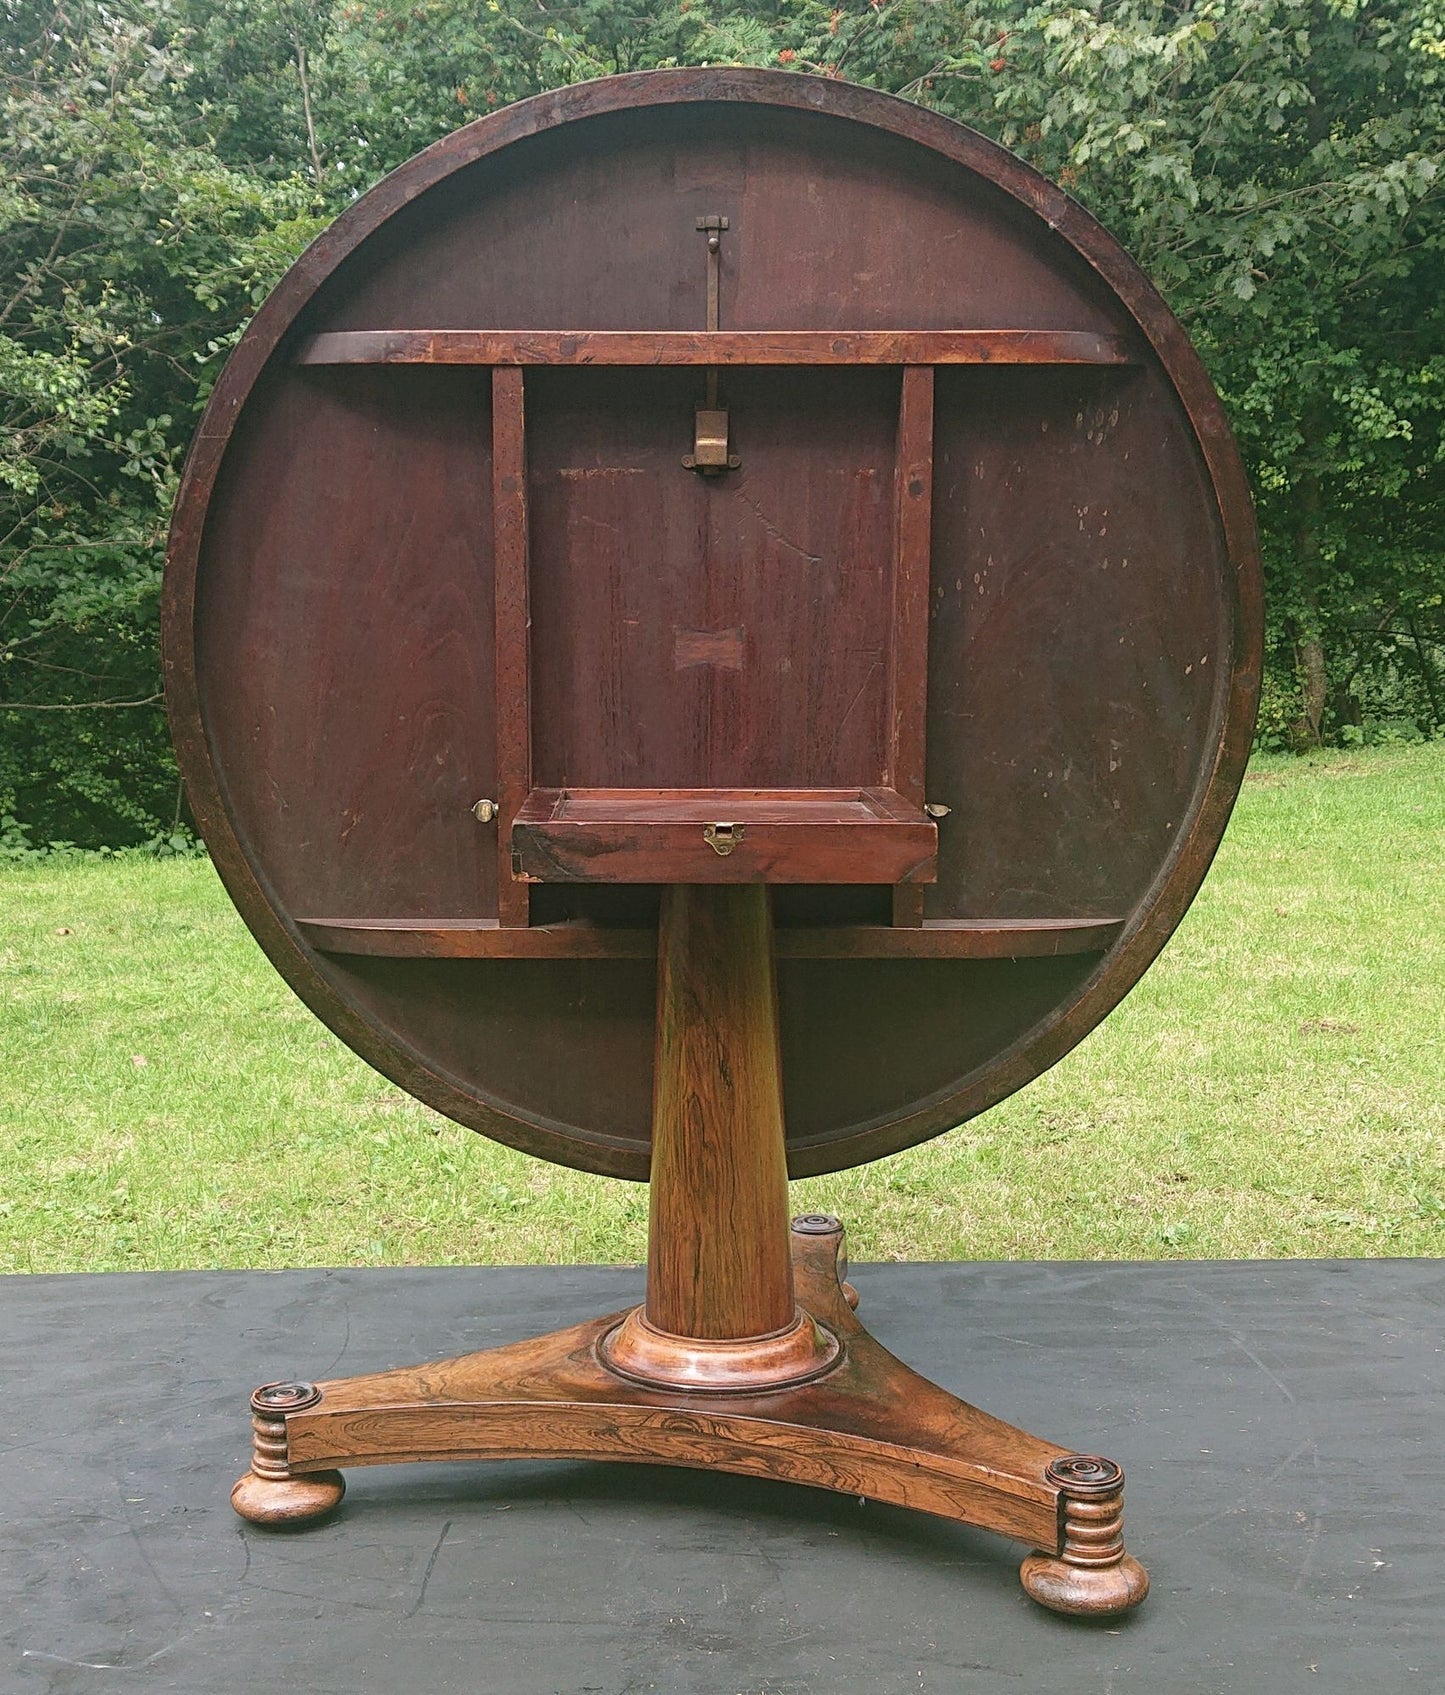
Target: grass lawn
(1275, 1086)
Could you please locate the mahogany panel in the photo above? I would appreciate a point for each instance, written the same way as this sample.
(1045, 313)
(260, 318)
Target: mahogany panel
(716, 347)
(565, 1044)
(729, 632)
(815, 205)
(344, 638)
(947, 1021)
(1080, 639)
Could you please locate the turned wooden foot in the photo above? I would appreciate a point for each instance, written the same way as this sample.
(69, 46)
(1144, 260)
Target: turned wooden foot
(270, 1494)
(1090, 1575)
(279, 1504)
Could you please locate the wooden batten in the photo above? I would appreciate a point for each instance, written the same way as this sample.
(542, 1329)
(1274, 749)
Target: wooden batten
(513, 629)
(716, 347)
(935, 938)
(907, 727)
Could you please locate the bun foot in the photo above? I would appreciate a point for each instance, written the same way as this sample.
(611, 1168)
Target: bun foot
(270, 1493)
(1084, 1591)
(277, 1502)
(1091, 1576)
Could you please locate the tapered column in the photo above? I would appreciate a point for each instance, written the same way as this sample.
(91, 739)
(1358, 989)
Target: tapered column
(718, 1254)
(720, 1309)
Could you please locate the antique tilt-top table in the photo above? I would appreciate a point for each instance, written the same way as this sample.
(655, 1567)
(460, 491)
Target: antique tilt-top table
(712, 630)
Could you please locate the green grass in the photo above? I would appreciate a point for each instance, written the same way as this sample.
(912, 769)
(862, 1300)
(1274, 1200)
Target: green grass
(1275, 1086)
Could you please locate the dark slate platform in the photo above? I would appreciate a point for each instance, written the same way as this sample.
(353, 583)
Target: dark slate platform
(1282, 1426)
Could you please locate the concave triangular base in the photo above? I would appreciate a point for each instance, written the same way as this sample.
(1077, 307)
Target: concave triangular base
(747, 1356)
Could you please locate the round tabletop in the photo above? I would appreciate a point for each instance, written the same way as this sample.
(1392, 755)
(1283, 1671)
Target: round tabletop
(978, 541)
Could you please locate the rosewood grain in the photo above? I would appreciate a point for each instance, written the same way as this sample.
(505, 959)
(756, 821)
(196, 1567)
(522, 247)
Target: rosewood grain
(718, 1262)
(1091, 1573)
(747, 1355)
(868, 1426)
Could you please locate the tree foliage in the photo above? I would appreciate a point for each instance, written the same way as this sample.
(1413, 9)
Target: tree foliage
(1276, 165)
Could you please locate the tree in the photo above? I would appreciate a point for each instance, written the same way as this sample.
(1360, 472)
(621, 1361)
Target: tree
(132, 255)
(1275, 165)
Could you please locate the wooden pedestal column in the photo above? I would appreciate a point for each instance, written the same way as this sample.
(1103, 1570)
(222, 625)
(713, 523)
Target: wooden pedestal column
(747, 1355)
(718, 1114)
(720, 1311)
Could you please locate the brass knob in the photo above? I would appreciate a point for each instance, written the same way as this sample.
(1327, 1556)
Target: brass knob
(484, 811)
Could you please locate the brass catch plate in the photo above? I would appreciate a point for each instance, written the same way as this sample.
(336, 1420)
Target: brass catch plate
(722, 838)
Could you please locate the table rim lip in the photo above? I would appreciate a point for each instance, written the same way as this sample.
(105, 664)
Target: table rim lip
(1233, 708)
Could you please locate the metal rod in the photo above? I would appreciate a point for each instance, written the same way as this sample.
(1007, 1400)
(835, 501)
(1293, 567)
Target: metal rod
(713, 226)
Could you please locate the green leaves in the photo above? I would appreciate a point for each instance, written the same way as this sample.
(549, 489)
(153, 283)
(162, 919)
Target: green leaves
(1276, 166)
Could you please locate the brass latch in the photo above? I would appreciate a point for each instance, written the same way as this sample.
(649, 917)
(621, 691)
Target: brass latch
(710, 456)
(710, 443)
(722, 838)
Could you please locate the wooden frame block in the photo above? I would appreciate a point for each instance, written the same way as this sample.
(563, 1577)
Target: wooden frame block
(723, 836)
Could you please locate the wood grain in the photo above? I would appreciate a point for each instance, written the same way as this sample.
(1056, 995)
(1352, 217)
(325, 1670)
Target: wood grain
(785, 563)
(872, 1427)
(348, 663)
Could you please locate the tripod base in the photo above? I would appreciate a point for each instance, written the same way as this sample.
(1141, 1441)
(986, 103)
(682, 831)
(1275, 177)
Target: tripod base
(863, 1424)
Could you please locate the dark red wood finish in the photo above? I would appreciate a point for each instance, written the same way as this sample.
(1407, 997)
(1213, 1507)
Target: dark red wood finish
(380, 581)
